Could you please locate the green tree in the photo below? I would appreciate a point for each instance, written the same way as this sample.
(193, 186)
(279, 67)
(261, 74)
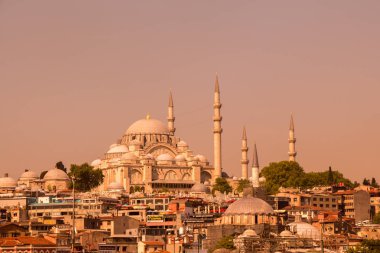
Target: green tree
(243, 183)
(221, 185)
(43, 173)
(86, 178)
(225, 243)
(367, 246)
(374, 183)
(376, 218)
(366, 181)
(59, 165)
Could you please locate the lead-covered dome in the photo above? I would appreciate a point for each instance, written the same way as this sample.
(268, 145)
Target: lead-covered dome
(28, 174)
(147, 126)
(7, 182)
(305, 230)
(249, 206)
(117, 149)
(199, 188)
(56, 174)
(164, 157)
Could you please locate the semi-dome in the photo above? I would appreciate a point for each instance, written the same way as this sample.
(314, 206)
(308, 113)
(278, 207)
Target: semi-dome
(7, 182)
(118, 149)
(147, 126)
(199, 188)
(28, 174)
(129, 156)
(96, 162)
(249, 233)
(249, 205)
(149, 156)
(305, 230)
(115, 186)
(164, 157)
(201, 158)
(182, 144)
(56, 174)
(180, 158)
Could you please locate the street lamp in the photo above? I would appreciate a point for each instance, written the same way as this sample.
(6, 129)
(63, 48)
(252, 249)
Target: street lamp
(73, 231)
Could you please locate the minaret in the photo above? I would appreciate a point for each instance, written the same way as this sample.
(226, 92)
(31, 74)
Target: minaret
(171, 117)
(255, 168)
(244, 156)
(217, 132)
(292, 141)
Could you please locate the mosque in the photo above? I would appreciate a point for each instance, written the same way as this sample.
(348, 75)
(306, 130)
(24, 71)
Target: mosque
(149, 156)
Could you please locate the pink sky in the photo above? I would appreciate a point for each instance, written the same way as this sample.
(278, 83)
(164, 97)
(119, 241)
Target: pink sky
(75, 74)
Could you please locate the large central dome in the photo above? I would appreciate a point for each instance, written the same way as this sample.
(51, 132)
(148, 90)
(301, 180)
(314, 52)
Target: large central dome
(147, 126)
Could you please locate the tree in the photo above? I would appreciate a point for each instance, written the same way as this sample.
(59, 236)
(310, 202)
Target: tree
(226, 242)
(221, 185)
(86, 178)
(366, 182)
(59, 165)
(330, 176)
(243, 183)
(43, 173)
(376, 218)
(374, 183)
(366, 246)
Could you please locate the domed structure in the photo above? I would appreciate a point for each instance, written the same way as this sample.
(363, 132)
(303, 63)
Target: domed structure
(56, 180)
(96, 162)
(180, 158)
(28, 174)
(182, 144)
(249, 233)
(286, 233)
(305, 230)
(7, 182)
(147, 126)
(118, 149)
(249, 205)
(129, 156)
(202, 158)
(199, 188)
(115, 186)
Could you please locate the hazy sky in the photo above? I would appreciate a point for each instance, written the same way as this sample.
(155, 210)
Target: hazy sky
(75, 74)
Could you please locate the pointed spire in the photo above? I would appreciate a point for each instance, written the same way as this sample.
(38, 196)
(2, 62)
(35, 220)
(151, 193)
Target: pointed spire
(244, 134)
(170, 100)
(255, 160)
(291, 127)
(217, 84)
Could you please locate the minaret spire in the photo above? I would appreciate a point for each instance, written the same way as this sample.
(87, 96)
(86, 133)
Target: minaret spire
(244, 155)
(255, 168)
(171, 117)
(217, 131)
(292, 141)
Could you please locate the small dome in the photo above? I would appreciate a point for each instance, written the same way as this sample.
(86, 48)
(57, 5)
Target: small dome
(28, 174)
(118, 149)
(7, 182)
(207, 183)
(147, 126)
(164, 157)
(195, 158)
(249, 233)
(129, 156)
(113, 145)
(249, 205)
(180, 158)
(305, 230)
(235, 178)
(149, 156)
(202, 158)
(182, 144)
(286, 233)
(115, 186)
(262, 180)
(199, 188)
(96, 162)
(56, 174)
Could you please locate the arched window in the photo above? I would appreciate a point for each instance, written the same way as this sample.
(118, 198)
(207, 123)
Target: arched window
(205, 177)
(136, 177)
(186, 176)
(170, 175)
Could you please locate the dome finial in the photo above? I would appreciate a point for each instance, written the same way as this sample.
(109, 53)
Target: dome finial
(148, 116)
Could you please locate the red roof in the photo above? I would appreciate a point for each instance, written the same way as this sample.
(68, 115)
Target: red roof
(153, 243)
(24, 240)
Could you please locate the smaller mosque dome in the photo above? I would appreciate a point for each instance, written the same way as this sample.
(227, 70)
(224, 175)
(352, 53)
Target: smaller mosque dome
(201, 158)
(56, 174)
(28, 174)
(129, 156)
(118, 149)
(147, 126)
(305, 230)
(164, 157)
(249, 233)
(199, 188)
(96, 162)
(286, 233)
(195, 158)
(149, 156)
(262, 179)
(249, 205)
(182, 144)
(180, 158)
(7, 182)
(113, 145)
(234, 178)
(115, 186)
